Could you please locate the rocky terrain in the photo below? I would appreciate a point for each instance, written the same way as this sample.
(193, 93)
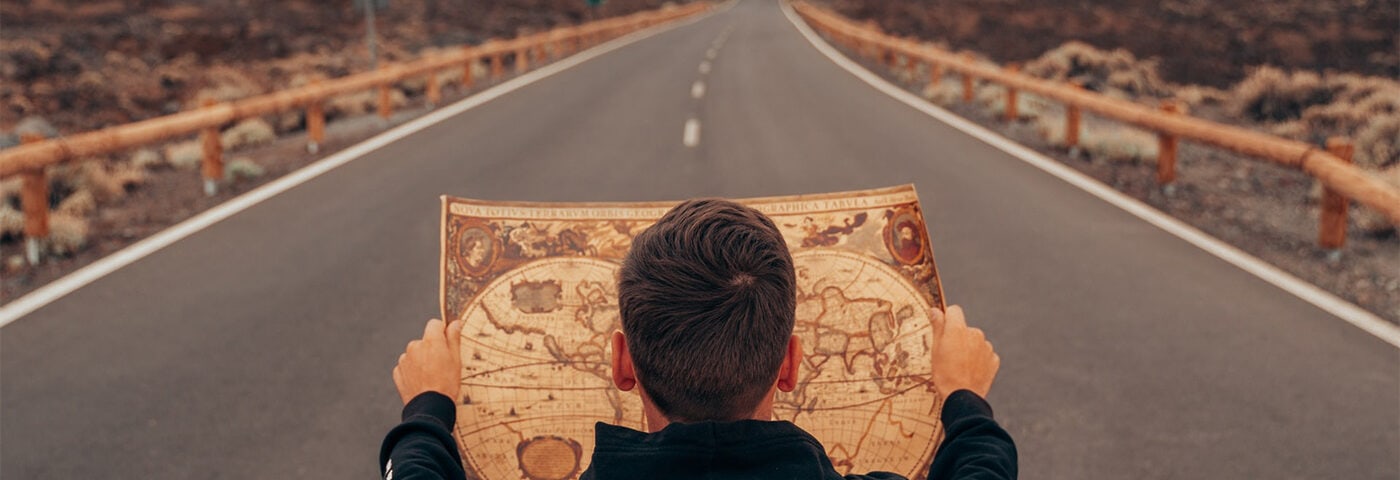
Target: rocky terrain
(1205, 42)
(84, 64)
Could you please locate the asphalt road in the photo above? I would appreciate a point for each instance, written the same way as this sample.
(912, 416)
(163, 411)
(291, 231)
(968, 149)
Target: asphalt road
(261, 347)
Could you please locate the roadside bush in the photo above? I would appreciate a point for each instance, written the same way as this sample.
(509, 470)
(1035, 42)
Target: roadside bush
(944, 93)
(79, 204)
(11, 223)
(1370, 221)
(104, 182)
(250, 132)
(185, 155)
(1269, 94)
(1100, 70)
(242, 168)
(9, 190)
(67, 234)
(1378, 145)
(146, 159)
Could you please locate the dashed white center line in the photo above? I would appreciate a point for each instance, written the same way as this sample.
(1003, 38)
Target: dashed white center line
(691, 138)
(711, 53)
(705, 67)
(697, 90)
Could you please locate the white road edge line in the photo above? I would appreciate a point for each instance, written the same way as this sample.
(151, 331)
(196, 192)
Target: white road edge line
(46, 294)
(697, 90)
(691, 136)
(1365, 320)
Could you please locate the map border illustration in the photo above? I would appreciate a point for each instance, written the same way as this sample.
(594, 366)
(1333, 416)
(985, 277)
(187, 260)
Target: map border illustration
(536, 284)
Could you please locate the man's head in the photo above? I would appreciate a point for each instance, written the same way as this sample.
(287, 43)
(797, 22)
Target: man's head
(708, 299)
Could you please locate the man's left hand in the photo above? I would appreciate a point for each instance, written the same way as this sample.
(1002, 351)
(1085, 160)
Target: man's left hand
(432, 363)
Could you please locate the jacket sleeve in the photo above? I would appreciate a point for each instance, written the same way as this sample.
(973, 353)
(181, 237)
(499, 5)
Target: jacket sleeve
(422, 447)
(974, 446)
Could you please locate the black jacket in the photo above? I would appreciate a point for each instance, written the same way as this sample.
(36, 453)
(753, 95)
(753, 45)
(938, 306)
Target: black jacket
(974, 448)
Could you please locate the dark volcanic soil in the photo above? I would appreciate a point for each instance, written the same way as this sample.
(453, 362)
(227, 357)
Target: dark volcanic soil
(84, 64)
(1199, 41)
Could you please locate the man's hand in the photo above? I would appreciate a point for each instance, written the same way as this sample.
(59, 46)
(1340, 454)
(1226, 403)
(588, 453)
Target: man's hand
(432, 363)
(962, 356)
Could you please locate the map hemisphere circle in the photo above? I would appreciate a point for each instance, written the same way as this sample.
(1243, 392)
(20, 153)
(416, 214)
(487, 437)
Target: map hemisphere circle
(534, 365)
(864, 390)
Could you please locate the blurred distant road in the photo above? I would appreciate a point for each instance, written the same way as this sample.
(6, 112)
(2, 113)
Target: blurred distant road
(261, 347)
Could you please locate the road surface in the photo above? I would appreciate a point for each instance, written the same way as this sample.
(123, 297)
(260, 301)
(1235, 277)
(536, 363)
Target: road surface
(261, 346)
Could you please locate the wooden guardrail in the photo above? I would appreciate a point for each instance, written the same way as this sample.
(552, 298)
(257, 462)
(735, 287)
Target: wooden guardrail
(30, 159)
(1342, 181)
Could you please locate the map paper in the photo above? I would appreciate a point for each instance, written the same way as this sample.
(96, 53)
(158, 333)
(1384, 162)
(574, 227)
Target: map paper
(536, 285)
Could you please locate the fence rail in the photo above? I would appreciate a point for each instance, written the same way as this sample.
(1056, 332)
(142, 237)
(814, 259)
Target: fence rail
(1332, 166)
(30, 159)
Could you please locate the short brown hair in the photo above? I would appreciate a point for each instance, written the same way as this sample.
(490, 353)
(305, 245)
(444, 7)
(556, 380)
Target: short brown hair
(708, 300)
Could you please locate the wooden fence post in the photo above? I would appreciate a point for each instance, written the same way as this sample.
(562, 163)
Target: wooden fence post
(213, 162)
(1332, 221)
(498, 67)
(315, 123)
(386, 106)
(910, 65)
(468, 78)
(968, 90)
(1166, 149)
(34, 202)
(522, 59)
(434, 90)
(1012, 109)
(935, 74)
(1072, 121)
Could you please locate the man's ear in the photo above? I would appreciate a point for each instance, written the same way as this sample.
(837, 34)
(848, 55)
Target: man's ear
(792, 365)
(623, 375)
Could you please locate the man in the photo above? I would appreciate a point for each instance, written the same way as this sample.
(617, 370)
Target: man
(707, 298)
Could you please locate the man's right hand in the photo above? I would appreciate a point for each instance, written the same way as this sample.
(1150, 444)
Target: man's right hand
(963, 359)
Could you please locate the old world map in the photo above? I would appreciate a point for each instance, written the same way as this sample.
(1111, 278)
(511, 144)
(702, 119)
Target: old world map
(536, 287)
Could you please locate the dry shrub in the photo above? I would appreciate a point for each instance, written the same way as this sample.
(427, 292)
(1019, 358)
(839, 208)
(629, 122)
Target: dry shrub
(146, 158)
(242, 168)
(185, 155)
(11, 222)
(1310, 107)
(1378, 144)
(23, 58)
(1370, 221)
(945, 92)
(79, 204)
(67, 234)
(250, 132)
(94, 176)
(223, 84)
(1269, 94)
(1099, 70)
(35, 126)
(350, 105)
(9, 190)
(1196, 95)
